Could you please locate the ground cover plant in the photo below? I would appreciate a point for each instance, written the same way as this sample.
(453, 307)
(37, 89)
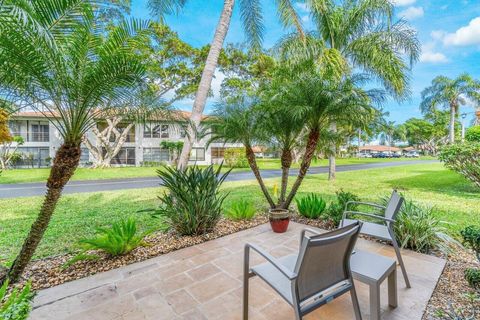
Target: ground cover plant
(471, 239)
(17, 304)
(240, 210)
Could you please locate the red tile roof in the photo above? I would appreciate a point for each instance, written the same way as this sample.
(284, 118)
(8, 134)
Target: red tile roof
(380, 148)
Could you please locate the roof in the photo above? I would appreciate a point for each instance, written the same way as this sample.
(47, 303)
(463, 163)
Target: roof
(379, 148)
(177, 115)
(258, 149)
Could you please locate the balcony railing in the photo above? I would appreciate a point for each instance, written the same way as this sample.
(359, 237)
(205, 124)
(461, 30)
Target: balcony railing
(33, 136)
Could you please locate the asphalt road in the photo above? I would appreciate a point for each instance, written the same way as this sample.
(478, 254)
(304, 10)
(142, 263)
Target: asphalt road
(38, 188)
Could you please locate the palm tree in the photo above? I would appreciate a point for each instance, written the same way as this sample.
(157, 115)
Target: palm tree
(450, 94)
(252, 18)
(360, 34)
(57, 58)
(238, 121)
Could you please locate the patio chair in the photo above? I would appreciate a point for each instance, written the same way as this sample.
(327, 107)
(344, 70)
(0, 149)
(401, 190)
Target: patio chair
(382, 230)
(317, 275)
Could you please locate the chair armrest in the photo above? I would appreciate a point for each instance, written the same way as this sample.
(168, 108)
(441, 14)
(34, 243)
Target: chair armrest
(370, 215)
(302, 234)
(366, 204)
(286, 272)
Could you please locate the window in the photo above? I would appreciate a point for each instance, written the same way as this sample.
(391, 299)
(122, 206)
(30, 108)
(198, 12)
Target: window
(124, 156)
(164, 130)
(218, 152)
(151, 130)
(40, 131)
(14, 127)
(155, 155)
(197, 154)
(33, 157)
(84, 156)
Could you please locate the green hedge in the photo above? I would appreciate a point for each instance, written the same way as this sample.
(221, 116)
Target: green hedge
(463, 158)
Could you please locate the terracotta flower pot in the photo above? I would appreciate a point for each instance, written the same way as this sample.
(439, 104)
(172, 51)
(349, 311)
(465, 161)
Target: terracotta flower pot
(279, 219)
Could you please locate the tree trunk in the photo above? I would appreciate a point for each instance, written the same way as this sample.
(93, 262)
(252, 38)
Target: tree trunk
(253, 165)
(64, 164)
(331, 157)
(451, 137)
(206, 81)
(307, 159)
(286, 161)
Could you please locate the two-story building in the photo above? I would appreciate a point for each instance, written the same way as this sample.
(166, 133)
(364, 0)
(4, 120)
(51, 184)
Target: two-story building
(142, 145)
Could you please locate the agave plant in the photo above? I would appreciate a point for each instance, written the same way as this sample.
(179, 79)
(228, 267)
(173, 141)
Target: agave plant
(311, 206)
(193, 203)
(241, 210)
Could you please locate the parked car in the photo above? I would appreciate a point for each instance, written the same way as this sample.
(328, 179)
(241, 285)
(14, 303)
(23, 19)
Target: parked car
(412, 154)
(363, 155)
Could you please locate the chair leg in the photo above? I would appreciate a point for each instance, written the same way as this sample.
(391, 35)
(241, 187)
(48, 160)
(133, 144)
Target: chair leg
(356, 305)
(245, 296)
(400, 260)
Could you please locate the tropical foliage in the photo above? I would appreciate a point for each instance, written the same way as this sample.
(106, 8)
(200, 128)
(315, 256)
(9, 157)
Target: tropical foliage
(450, 94)
(418, 229)
(241, 210)
(59, 57)
(473, 134)
(472, 276)
(464, 159)
(311, 206)
(471, 238)
(335, 210)
(235, 158)
(17, 304)
(193, 203)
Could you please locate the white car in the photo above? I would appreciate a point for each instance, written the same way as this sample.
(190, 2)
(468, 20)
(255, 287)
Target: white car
(412, 154)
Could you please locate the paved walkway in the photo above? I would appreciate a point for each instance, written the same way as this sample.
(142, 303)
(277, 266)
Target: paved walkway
(204, 282)
(38, 188)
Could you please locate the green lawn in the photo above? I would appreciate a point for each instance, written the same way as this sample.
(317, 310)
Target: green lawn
(77, 216)
(39, 175)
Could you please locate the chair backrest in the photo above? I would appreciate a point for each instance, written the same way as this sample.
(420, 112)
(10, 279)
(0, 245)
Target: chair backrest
(394, 205)
(324, 260)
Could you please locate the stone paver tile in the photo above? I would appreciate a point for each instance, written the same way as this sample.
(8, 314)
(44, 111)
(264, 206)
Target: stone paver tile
(181, 301)
(130, 272)
(174, 268)
(143, 292)
(193, 314)
(203, 272)
(278, 310)
(232, 264)
(208, 256)
(108, 311)
(154, 307)
(222, 307)
(185, 253)
(213, 287)
(260, 294)
(174, 283)
(281, 251)
(133, 283)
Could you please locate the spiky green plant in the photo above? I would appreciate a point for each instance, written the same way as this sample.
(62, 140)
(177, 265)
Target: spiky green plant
(241, 210)
(193, 202)
(17, 304)
(311, 206)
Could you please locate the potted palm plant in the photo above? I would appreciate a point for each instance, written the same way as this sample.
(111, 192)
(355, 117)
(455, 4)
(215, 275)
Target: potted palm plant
(279, 218)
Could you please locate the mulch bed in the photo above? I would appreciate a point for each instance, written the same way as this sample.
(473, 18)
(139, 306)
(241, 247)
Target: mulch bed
(448, 295)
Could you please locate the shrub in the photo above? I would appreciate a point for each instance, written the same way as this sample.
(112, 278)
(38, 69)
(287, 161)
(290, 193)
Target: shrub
(311, 206)
(336, 209)
(235, 158)
(471, 238)
(193, 204)
(241, 210)
(118, 240)
(473, 134)
(418, 229)
(463, 158)
(17, 305)
(472, 275)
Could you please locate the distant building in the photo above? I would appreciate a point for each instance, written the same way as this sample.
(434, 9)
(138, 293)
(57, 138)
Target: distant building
(42, 140)
(379, 149)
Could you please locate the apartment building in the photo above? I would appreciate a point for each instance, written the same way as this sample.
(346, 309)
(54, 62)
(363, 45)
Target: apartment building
(142, 145)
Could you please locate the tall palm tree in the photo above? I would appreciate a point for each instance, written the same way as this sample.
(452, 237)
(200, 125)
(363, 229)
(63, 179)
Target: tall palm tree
(450, 94)
(251, 14)
(59, 59)
(362, 34)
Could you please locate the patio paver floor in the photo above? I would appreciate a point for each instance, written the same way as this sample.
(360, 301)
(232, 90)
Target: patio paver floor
(204, 282)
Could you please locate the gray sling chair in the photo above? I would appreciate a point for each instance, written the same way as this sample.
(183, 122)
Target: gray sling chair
(317, 275)
(382, 230)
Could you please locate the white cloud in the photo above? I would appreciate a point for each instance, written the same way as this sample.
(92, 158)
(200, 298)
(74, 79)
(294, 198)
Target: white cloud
(465, 36)
(302, 6)
(305, 19)
(412, 13)
(437, 35)
(401, 3)
(430, 55)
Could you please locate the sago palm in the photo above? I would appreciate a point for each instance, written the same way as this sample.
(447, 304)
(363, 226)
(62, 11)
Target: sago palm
(450, 94)
(361, 34)
(57, 58)
(252, 18)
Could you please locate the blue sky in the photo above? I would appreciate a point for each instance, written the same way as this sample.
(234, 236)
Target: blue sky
(449, 31)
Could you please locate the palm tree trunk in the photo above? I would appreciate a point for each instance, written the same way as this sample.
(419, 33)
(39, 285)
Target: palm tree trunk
(253, 165)
(451, 137)
(332, 166)
(286, 160)
(206, 80)
(307, 159)
(64, 164)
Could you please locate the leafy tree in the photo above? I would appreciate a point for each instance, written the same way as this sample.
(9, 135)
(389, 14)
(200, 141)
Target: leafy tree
(251, 14)
(58, 58)
(174, 148)
(450, 94)
(359, 35)
(463, 158)
(429, 133)
(473, 134)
